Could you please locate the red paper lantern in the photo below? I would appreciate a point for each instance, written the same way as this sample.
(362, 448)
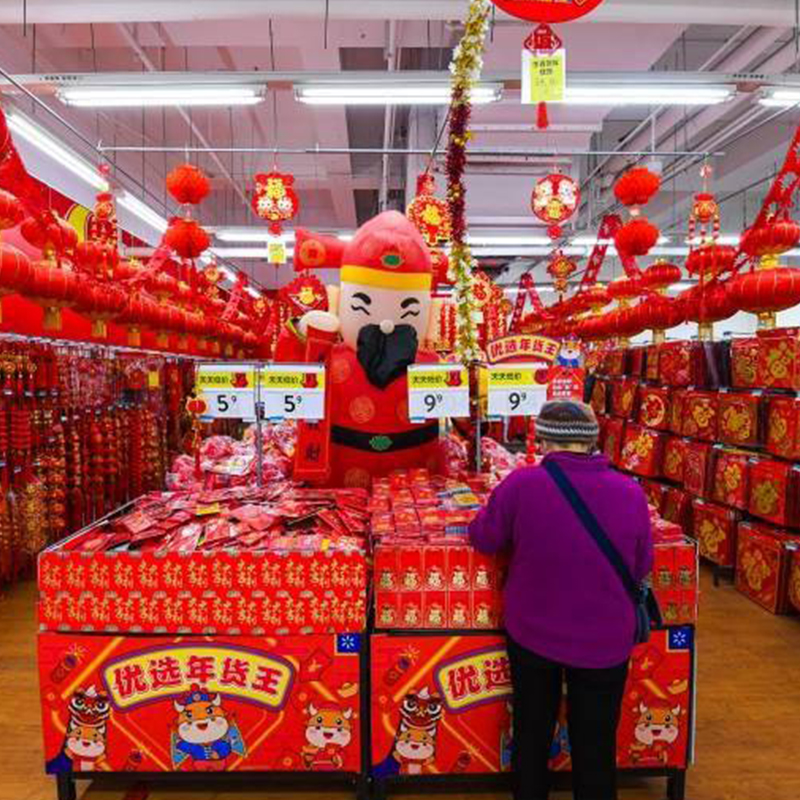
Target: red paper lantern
(706, 305)
(187, 238)
(661, 275)
(97, 257)
(429, 214)
(710, 260)
(12, 211)
(637, 186)
(636, 238)
(188, 184)
(624, 288)
(765, 291)
(101, 302)
(15, 272)
(554, 199)
(54, 288)
(274, 199)
(50, 234)
(597, 297)
(771, 239)
(546, 10)
(658, 313)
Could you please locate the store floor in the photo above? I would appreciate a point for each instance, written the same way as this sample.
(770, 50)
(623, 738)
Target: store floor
(748, 713)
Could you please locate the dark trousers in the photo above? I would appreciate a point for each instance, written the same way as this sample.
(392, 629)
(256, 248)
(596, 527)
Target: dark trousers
(594, 701)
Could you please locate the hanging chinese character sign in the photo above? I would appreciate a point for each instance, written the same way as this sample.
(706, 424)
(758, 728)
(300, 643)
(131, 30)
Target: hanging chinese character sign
(547, 10)
(274, 199)
(554, 200)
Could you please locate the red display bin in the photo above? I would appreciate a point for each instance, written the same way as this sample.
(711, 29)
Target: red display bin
(715, 531)
(189, 704)
(450, 696)
(764, 558)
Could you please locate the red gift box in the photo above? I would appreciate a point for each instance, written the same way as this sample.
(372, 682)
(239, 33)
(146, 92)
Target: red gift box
(763, 565)
(600, 396)
(675, 363)
(642, 451)
(783, 427)
(614, 362)
(739, 418)
(651, 365)
(674, 455)
(731, 482)
(678, 508)
(771, 491)
(676, 406)
(654, 407)
(697, 468)
(794, 580)
(744, 363)
(636, 360)
(779, 360)
(623, 397)
(715, 531)
(700, 415)
(613, 435)
(655, 492)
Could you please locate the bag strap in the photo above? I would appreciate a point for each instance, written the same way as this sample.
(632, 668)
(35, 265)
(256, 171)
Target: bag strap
(594, 528)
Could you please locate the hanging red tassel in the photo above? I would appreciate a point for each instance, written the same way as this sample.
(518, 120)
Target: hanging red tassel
(542, 119)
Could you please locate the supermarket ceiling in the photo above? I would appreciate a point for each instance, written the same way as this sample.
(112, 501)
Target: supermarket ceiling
(347, 158)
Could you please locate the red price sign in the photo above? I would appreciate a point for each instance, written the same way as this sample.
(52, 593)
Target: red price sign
(548, 10)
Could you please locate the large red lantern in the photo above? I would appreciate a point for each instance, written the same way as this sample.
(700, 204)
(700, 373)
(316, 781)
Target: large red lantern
(15, 272)
(274, 199)
(636, 187)
(547, 10)
(765, 292)
(54, 288)
(101, 302)
(188, 184)
(658, 313)
(707, 304)
(770, 240)
(624, 289)
(710, 260)
(661, 275)
(12, 211)
(187, 238)
(51, 234)
(429, 214)
(554, 200)
(636, 238)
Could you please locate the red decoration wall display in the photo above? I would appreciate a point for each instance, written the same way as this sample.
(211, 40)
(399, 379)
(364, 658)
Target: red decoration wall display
(188, 184)
(546, 10)
(554, 200)
(274, 199)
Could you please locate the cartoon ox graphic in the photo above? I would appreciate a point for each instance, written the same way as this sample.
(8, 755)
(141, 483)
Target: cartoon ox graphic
(328, 732)
(656, 731)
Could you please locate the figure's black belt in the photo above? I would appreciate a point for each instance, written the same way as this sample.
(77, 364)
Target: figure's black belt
(385, 442)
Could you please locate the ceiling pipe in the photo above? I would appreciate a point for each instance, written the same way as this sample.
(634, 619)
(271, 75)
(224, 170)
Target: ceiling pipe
(151, 67)
(388, 118)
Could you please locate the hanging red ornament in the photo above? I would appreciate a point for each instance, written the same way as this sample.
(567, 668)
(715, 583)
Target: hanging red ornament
(430, 215)
(188, 184)
(305, 293)
(441, 268)
(274, 199)
(636, 187)
(560, 268)
(15, 272)
(765, 291)
(636, 238)
(50, 233)
(547, 10)
(554, 200)
(102, 223)
(771, 239)
(12, 211)
(186, 237)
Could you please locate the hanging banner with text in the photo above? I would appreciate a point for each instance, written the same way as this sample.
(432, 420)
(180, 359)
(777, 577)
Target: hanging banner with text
(293, 391)
(229, 390)
(436, 391)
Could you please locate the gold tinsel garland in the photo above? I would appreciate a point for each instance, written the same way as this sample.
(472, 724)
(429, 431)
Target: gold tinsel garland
(466, 70)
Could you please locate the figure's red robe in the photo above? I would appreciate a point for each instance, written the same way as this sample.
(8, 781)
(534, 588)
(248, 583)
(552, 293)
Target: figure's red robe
(371, 434)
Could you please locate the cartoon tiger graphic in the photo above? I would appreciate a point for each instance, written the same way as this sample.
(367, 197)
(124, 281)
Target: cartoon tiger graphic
(85, 739)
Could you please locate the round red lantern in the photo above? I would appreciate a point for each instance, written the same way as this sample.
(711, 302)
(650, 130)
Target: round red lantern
(554, 200)
(12, 211)
(661, 275)
(15, 272)
(710, 260)
(765, 292)
(187, 238)
(705, 305)
(597, 297)
(770, 240)
(51, 234)
(658, 313)
(624, 289)
(636, 238)
(274, 199)
(188, 184)
(636, 187)
(101, 302)
(54, 288)
(546, 10)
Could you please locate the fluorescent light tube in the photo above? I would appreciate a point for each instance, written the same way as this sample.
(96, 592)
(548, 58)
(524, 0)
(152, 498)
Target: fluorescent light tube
(508, 241)
(228, 273)
(388, 93)
(591, 241)
(251, 235)
(781, 98)
(240, 252)
(146, 96)
(44, 142)
(141, 210)
(252, 292)
(654, 95)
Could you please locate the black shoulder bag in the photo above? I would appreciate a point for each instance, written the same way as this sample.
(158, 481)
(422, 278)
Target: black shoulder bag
(644, 601)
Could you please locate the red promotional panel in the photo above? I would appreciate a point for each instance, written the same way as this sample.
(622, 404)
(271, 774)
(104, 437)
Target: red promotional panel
(546, 10)
(442, 704)
(165, 704)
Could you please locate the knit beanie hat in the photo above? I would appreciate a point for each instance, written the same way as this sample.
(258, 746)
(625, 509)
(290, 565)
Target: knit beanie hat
(566, 421)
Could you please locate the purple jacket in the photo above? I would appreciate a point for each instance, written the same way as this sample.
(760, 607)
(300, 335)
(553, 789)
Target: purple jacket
(563, 599)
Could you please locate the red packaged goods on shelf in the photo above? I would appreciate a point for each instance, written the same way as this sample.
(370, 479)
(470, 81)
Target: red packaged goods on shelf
(387, 609)
(655, 492)
(651, 365)
(614, 362)
(794, 580)
(674, 454)
(460, 689)
(410, 610)
(771, 496)
(141, 696)
(434, 609)
(740, 419)
(783, 427)
(677, 400)
(654, 407)
(675, 363)
(779, 359)
(697, 468)
(623, 397)
(675, 580)
(642, 451)
(600, 396)
(613, 435)
(249, 561)
(731, 485)
(744, 363)
(763, 565)
(700, 415)
(678, 508)
(410, 568)
(636, 358)
(715, 531)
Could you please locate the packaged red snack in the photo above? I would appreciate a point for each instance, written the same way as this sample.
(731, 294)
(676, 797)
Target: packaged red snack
(669, 602)
(663, 567)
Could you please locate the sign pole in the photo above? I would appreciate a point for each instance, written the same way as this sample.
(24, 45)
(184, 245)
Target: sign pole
(259, 434)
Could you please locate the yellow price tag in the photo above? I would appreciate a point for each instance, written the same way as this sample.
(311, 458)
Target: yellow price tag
(544, 77)
(153, 379)
(276, 252)
(205, 511)
(510, 377)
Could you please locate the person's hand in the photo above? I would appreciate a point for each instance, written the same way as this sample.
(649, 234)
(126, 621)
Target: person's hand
(320, 320)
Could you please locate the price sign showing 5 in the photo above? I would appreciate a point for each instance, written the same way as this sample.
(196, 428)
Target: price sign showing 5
(293, 391)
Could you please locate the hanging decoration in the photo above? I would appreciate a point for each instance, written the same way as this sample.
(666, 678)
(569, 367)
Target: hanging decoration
(636, 187)
(547, 10)
(543, 71)
(636, 238)
(188, 184)
(315, 250)
(554, 199)
(305, 293)
(274, 199)
(526, 290)
(430, 215)
(466, 69)
(560, 269)
(187, 238)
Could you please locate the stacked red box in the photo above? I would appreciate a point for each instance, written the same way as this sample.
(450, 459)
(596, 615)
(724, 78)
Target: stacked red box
(764, 556)
(744, 363)
(731, 483)
(642, 450)
(715, 531)
(675, 363)
(674, 457)
(623, 397)
(772, 495)
(613, 436)
(656, 492)
(700, 415)
(779, 359)
(740, 419)
(697, 468)
(675, 580)
(651, 367)
(677, 400)
(677, 508)
(600, 396)
(654, 407)
(783, 427)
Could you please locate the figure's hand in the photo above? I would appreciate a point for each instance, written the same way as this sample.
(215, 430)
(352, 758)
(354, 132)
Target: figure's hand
(321, 320)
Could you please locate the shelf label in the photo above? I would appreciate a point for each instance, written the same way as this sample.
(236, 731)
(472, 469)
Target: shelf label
(516, 390)
(436, 391)
(229, 390)
(293, 391)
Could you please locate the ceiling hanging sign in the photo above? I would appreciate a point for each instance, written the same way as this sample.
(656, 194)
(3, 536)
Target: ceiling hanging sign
(544, 76)
(276, 251)
(548, 10)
